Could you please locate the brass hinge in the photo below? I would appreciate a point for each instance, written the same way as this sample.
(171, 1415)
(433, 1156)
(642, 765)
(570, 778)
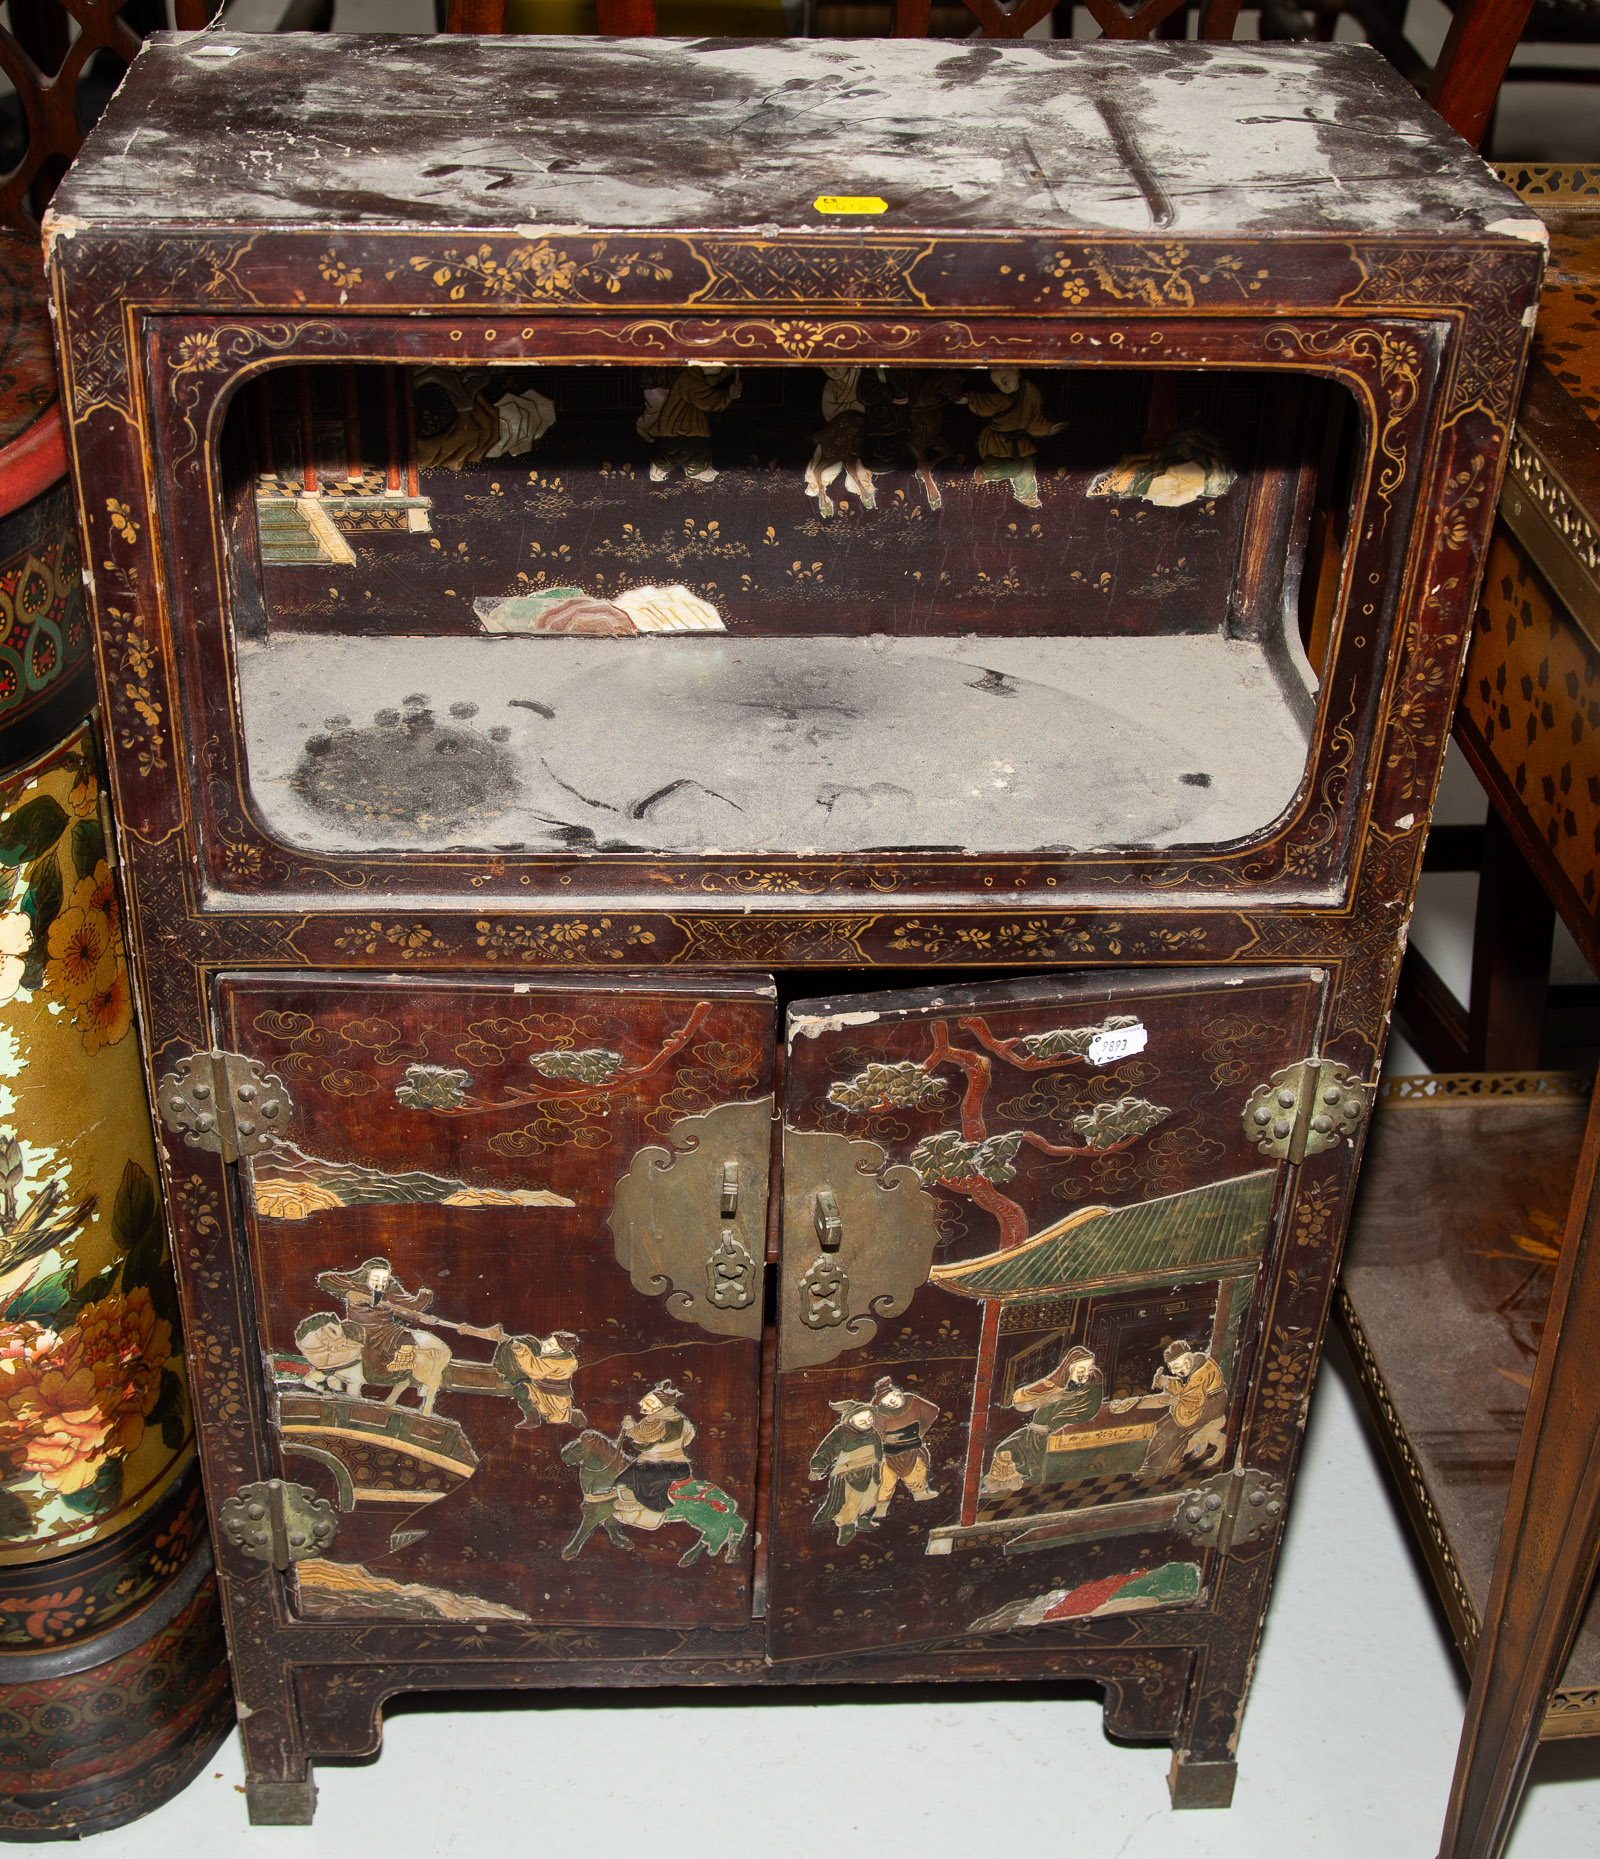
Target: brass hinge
(225, 1102)
(277, 1522)
(1231, 1508)
(1304, 1109)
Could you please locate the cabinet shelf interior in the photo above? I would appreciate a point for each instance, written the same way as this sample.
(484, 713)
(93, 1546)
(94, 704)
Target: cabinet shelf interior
(779, 609)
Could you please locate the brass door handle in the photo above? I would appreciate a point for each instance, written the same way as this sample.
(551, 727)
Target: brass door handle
(825, 1216)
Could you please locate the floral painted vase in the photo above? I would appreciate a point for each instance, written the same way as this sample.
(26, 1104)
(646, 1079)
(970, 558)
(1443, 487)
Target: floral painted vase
(113, 1669)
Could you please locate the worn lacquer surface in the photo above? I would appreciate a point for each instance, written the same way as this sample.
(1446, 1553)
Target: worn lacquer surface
(564, 134)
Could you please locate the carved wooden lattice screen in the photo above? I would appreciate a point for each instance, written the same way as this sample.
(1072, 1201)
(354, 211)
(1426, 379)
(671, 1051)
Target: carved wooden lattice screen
(46, 65)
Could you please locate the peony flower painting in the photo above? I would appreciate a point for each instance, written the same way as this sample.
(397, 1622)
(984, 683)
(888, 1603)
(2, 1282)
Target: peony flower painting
(94, 1417)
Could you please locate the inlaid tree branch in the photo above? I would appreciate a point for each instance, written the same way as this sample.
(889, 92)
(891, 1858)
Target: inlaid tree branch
(970, 1160)
(564, 1073)
(1038, 1052)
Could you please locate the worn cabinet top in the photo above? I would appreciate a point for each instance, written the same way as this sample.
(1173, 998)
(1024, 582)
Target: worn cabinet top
(321, 130)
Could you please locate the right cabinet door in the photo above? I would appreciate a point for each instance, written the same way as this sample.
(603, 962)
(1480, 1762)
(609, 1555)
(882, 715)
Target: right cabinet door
(1030, 1233)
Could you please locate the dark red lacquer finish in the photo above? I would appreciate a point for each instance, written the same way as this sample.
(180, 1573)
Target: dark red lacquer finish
(483, 1283)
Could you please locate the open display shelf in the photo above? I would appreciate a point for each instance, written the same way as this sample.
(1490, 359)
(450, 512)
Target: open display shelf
(1446, 1278)
(621, 642)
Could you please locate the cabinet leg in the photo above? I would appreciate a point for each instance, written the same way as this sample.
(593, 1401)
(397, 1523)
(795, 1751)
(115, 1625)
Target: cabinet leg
(1201, 1784)
(279, 1803)
(278, 1788)
(1549, 1543)
(1205, 1750)
(1512, 937)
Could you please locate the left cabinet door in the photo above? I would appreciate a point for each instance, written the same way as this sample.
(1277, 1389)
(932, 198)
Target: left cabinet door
(506, 1260)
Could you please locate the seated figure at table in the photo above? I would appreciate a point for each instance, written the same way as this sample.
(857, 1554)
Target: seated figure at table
(1070, 1395)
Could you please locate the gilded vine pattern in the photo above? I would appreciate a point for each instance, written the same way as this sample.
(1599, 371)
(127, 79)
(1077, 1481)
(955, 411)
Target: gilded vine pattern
(218, 1363)
(1304, 856)
(132, 662)
(810, 882)
(1032, 935)
(1317, 1212)
(533, 273)
(1400, 361)
(572, 939)
(802, 340)
(411, 941)
(1418, 719)
(222, 347)
(1285, 1387)
(1156, 277)
(332, 269)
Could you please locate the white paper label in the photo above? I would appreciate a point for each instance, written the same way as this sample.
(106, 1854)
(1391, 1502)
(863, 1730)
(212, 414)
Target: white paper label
(1107, 1048)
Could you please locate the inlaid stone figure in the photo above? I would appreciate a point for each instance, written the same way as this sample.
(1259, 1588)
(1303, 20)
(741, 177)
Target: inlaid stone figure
(376, 1301)
(1069, 1395)
(676, 420)
(850, 1457)
(659, 1438)
(903, 1422)
(540, 1370)
(1014, 409)
(1197, 1407)
(839, 441)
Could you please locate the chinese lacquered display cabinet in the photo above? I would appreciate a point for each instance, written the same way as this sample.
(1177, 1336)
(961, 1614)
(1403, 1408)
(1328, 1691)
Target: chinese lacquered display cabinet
(598, 546)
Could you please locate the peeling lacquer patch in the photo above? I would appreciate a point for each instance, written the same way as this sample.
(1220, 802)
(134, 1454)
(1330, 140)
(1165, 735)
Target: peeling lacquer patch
(1533, 230)
(832, 1023)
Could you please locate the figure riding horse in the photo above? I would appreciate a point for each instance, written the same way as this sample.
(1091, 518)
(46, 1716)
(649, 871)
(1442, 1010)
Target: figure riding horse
(610, 1505)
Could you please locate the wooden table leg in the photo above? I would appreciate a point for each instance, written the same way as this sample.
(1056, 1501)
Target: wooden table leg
(1511, 943)
(1548, 1544)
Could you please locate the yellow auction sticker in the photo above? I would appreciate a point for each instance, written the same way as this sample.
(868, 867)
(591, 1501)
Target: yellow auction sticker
(851, 203)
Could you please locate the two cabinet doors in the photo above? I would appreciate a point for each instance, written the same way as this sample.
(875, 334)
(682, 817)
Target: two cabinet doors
(593, 1303)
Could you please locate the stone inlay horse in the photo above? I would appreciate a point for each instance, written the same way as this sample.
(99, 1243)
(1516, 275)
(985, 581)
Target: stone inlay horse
(705, 1508)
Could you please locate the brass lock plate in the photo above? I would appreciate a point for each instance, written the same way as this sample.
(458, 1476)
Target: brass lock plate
(690, 1220)
(858, 1242)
